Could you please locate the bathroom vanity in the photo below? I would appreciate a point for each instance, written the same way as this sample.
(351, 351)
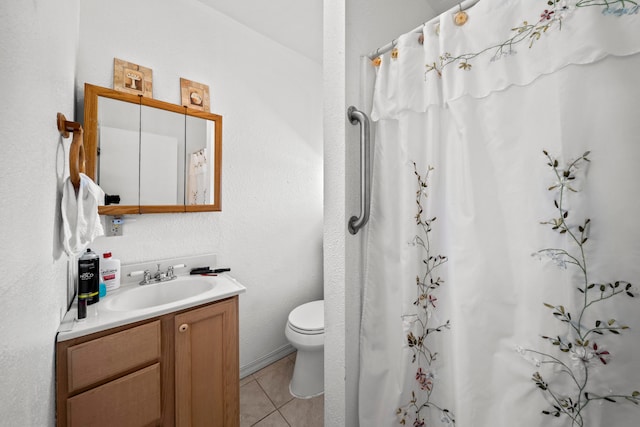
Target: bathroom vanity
(166, 364)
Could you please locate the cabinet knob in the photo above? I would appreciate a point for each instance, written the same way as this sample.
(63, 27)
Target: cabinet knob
(183, 327)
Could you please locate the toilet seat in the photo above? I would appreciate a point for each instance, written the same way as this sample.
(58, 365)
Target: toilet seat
(308, 319)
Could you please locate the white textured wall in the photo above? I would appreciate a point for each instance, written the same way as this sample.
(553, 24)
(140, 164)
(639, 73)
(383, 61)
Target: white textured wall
(270, 229)
(38, 52)
(334, 213)
(352, 29)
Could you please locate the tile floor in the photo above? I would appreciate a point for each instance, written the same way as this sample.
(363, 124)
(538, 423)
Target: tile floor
(265, 400)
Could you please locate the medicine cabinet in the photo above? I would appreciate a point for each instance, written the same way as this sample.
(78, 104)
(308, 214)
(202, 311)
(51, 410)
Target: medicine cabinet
(151, 156)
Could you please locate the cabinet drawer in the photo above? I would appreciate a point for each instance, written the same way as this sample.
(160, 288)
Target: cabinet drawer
(130, 401)
(103, 358)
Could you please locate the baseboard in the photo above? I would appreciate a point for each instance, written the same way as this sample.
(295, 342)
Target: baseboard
(266, 360)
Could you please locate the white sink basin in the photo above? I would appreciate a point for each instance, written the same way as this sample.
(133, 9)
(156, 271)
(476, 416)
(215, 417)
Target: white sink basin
(134, 303)
(158, 294)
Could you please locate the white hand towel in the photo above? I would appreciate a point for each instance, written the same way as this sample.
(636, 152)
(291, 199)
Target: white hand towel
(80, 220)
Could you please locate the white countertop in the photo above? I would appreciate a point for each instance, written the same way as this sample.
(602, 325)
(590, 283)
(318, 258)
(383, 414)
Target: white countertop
(100, 317)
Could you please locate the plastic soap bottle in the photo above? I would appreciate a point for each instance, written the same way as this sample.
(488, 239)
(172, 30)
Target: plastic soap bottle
(110, 271)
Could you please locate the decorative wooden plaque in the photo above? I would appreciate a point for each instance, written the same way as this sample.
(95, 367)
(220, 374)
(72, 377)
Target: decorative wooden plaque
(195, 95)
(132, 78)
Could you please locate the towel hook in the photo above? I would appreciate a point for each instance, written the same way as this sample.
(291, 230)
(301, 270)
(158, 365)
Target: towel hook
(76, 151)
(64, 125)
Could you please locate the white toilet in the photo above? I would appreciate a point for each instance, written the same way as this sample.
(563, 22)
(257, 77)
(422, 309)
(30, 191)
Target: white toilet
(305, 331)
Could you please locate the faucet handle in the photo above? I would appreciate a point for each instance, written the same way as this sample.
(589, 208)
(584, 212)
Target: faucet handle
(147, 276)
(138, 273)
(170, 269)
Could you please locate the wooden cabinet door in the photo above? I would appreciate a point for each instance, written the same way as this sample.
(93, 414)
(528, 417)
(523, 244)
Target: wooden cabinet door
(206, 366)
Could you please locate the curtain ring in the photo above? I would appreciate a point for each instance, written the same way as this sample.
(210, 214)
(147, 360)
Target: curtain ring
(394, 49)
(460, 18)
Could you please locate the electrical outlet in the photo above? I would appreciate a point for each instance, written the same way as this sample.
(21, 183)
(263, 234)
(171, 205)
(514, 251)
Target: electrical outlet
(114, 225)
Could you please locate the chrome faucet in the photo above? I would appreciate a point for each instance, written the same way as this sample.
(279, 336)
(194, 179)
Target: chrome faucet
(158, 276)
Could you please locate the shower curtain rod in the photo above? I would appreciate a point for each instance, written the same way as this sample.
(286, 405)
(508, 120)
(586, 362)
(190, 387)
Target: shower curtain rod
(467, 4)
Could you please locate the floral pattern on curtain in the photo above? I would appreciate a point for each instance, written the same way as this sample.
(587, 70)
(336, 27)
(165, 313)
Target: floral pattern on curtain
(483, 121)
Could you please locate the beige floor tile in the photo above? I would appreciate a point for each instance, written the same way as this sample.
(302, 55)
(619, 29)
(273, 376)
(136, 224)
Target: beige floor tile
(268, 369)
(254, 404)
(246, 380)
(275, 379)
(304, 412)
(273, 420)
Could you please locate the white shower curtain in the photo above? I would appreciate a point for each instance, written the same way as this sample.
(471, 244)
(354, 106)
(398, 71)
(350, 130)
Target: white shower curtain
(464, 195)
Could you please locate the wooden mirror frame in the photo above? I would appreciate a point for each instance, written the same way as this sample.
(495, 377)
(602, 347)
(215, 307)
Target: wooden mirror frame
(91, 94)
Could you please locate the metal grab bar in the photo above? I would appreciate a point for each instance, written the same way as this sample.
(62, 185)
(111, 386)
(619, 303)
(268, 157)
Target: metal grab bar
(355, 116)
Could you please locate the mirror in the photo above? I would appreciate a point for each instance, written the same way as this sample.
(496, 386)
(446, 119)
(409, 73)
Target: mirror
(201, 162)
(162, 145)
(117, 169)
(157, 157)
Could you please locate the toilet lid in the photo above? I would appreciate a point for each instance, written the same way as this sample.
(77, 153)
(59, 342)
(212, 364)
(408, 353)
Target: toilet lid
(308, 317)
